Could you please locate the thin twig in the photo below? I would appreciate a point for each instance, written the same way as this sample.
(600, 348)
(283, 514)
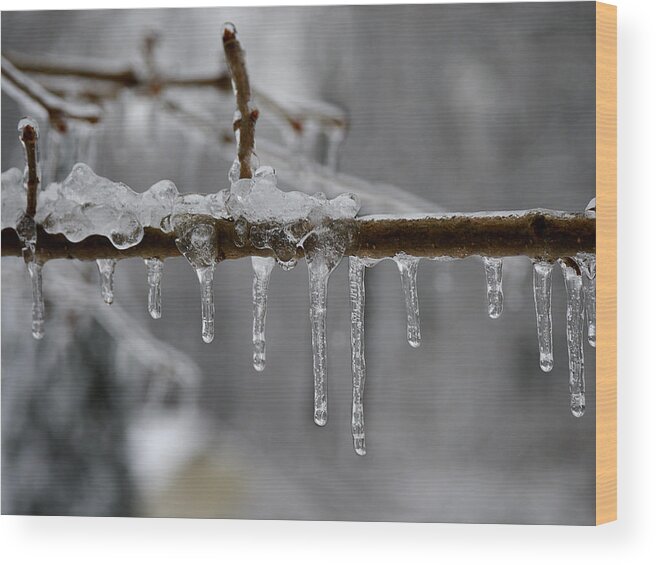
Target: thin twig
(29, 138)
(245, 123)
(125, 76)
(537, 234)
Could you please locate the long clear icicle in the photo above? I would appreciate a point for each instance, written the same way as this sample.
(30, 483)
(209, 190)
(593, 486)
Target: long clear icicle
(199, 246)
(318, 298)
(575, 323)
(106, 270)
(154, 267)
(542, 274)
(38, 309)
(408, 269)
(588, 264)
(262, 267)
(493, 279)
(358, 365)
(206, 279)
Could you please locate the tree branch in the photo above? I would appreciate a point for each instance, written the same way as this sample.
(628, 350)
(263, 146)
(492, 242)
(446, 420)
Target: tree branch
(125, 76)
(538, 234)
(29, 138)
(245, 123)
(58, 109)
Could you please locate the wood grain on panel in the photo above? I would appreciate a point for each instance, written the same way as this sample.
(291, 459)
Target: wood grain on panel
(606, 173)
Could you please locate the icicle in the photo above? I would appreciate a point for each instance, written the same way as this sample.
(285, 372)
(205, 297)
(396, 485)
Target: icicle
(206, 279)
(318, 298)
(324, 249)
(34, 269)
(358, 366)
(542, 272)
(199, 246)
(588, 264)
(262, 267)
(154, 267)
(106, 269)
(408, 268)
(493, 278)
(575, 322)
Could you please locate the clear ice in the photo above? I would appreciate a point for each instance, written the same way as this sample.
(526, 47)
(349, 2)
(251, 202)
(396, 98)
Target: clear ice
(106, 270)
(292, 214)
(262, 267)
(154, 268)
(199, 246)
(34, 269)
(493, 279)
(575, 322)
(358, 366)
(270, 218)
(324, 249)
(542, 272)
(588, 265)
(408, 269)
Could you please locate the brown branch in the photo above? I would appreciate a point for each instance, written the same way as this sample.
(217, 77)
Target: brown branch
(58, 109)
(125, 76)
(536, 234)
(29, 138)
(236, 61)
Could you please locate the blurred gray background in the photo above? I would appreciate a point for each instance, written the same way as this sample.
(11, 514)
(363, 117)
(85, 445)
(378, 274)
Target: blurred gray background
(472, 107)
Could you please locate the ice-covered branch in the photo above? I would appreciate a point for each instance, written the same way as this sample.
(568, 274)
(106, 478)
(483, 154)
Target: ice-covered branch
(539, 234)
(58, 110)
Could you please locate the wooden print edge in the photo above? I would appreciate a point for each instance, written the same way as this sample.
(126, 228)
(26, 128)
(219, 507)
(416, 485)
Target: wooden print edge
(606, 191)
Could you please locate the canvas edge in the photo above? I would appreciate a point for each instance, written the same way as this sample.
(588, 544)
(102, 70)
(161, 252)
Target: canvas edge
(606, 192)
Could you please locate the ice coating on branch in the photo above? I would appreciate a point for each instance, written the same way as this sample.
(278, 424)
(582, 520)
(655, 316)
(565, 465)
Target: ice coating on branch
(587, 262)
(542, 272)
(358, 366)
(106, 270)
(493, 280)
(575, 322)
(199, 246)
(274, 219)
(408, 269)
(38, 309)
(262, 267)
(85, 204)
(154, 268)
